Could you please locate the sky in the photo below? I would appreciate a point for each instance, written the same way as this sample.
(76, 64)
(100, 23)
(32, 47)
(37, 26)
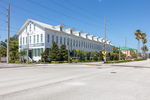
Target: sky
(123, 17)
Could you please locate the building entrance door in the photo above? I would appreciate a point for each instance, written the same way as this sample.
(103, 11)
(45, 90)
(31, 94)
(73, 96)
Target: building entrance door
(30, 54)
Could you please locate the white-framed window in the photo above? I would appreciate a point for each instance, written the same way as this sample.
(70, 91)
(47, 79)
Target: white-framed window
(47, 37)
(76, 43)
(57, 39)
(65, 41)
(41, 37)
(26, 40)
(73, 42)
(30, 27)
(60, 40)
(30, 39)
(52, 38)
(34, 38)
(37, 38)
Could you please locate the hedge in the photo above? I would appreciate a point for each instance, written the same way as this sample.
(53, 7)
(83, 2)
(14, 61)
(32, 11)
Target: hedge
(59, 61)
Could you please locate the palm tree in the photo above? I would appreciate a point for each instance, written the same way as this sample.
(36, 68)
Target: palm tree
(143, 35)
(85, 53)
(93, 54)
(22, 54)
(144, 48)
(144, 41)
(77, 52)
(138, 37)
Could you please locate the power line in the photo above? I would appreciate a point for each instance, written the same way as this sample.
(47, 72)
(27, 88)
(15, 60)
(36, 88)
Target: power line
(75, 12)
(115, 32)
(115, 35)
(6, 30)
(32, 13)
(64, 14)
(83, 9)
(10, 27)
(115, 28)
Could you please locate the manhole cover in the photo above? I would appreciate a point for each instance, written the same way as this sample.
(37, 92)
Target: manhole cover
(113, 72)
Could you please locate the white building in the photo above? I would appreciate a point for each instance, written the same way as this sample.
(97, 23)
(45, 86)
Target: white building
(42, 36)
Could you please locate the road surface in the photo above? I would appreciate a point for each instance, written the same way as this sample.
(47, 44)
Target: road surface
(124, 81)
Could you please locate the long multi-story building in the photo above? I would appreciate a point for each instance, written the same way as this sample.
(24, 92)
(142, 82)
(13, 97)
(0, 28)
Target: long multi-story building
(41, 36)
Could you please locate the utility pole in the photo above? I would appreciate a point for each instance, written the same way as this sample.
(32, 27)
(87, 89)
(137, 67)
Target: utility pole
(68, 50)
(8, 34)
(105, 37)
(28, 47)
(119, 52)
(125, 48)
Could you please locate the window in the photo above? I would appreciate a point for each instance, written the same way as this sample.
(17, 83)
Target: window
(60, 40)
(86, 44)
(64, 40)
(90, 45)
(42, 50)
(20, 40)
(52, 38)
(76, 43)
(38, 52)
(30, 39)
(60, 28)
(37, 38)
(48, 38)
(23, 40)
(82, 44)
(57, 39)
(35, 52)
(34, 38)
(26, 40)
(26, 29)
(70, 31)
(41, 37)
(30, 27)
(79, 43)
(73, 42)
(34, 27)
(68, 41)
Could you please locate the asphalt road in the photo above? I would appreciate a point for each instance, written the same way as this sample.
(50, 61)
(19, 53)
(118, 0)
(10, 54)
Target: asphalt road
(125, 81)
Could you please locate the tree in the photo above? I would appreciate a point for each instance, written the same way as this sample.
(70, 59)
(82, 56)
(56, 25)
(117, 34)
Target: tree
(115, 49)
(13, 47)
(144, 40)
(62, 55)
(22, 54)
(144, 48)
(100, 56)
(77, 52)
(85, 53)
(133, 54)
(93, 54)
(44, 55)
(54, 52)
(138, 37)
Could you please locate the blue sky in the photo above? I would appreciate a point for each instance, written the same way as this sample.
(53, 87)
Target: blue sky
(124, 17)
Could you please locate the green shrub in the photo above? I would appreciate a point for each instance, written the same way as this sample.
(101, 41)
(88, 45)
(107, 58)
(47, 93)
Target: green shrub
(17, 61)
(139, 59)
(29, 62)
(11, 61)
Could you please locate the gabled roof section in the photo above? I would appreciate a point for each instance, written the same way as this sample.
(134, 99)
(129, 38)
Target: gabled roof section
(65, 30)
(61, 25)
(36, 22)
(85, 34)
(78, 32)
